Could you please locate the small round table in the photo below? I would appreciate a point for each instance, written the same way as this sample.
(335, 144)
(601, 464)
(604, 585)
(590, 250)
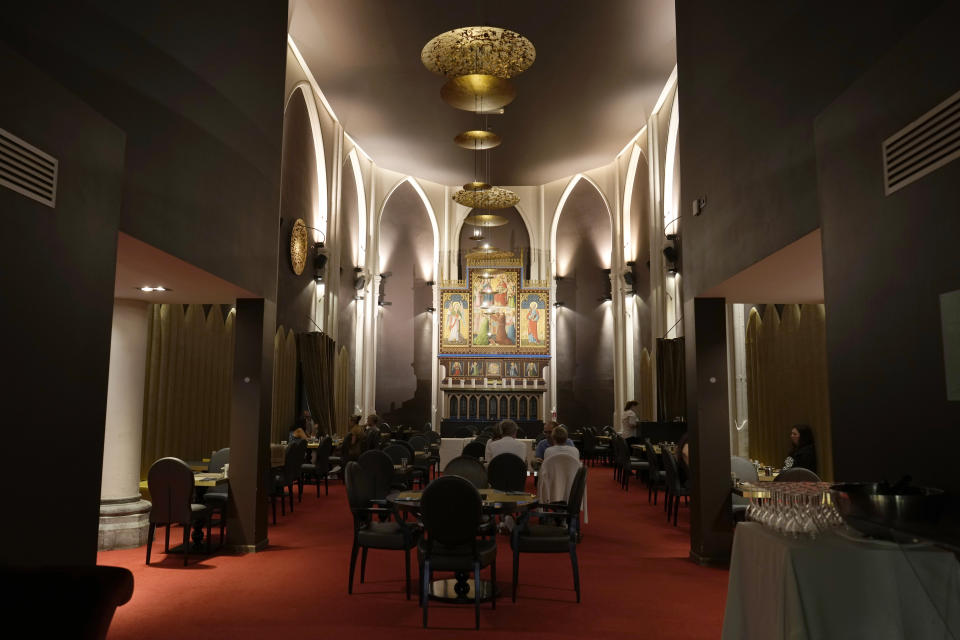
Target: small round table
(460, 589)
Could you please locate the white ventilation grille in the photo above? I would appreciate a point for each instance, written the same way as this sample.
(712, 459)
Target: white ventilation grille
(923, 146)
(27, 170)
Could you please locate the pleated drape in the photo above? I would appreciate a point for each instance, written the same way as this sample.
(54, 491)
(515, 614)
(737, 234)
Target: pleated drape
(284, 384)
(342, 403)
(186, 404)
(671, 379)
(317, 361)
(787, 382)
(646, 386)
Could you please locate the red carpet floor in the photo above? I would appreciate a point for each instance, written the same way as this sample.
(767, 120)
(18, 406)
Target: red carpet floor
(635, 577)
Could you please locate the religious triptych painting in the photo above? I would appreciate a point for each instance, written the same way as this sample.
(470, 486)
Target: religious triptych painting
(494, 298)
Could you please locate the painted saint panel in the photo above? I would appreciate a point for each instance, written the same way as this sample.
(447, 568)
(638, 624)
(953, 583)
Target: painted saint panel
(533, 321)
(494, 296)
(456, 314)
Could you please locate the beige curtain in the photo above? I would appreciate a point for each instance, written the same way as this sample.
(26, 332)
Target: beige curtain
(317, 359)
(646, 386)
(671, 380)
(342, 405)
(186, 405)
(787, 382)
(284, 384)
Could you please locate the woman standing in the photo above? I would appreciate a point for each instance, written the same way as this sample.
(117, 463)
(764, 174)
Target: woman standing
(803, 454)
(628, 423)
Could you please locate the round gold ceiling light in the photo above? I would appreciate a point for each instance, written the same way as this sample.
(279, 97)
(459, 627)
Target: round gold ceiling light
(492, 198)
(478, 92)
(487, 50)
(477, 186)
(485, 220)
(477, 140)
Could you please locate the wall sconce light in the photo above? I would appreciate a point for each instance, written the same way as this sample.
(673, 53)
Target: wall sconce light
(359, 280)
(319, 261)
(557, 278)
(430, 283)
(382, 295)
(557, 304)
(672, 256)
(431, 309)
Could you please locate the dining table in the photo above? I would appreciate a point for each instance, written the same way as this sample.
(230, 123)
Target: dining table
(840, 585)
(460, 588)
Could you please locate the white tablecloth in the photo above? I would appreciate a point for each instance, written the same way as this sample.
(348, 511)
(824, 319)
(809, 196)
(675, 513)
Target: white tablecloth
(450, 448)
(833, 587)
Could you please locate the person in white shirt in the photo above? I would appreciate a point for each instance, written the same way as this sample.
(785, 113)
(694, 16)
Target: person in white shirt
(507, 444)
(628, 424)
(561, 445)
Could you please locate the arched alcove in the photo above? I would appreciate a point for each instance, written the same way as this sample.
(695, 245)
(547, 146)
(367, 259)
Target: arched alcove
(405, 326)
(584, 334)
(512, 236)
(637, 249)
(301, 196)
(351, 210)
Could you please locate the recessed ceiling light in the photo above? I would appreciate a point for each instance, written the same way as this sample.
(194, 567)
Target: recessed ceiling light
(157, 289)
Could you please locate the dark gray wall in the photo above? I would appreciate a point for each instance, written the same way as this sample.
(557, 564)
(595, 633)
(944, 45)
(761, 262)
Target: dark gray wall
(56, 277)
(752, 78)
(584, 335)
(198, 89)
(887, 259)
(404, 348)
(298, 199)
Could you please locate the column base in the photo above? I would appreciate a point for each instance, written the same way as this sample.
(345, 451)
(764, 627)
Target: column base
(123, 523)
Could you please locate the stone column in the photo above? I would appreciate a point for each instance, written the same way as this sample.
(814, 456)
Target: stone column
(123, 514)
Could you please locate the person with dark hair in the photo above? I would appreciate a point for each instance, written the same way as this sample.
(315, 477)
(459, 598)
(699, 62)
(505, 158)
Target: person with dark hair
(561, 445)
(628, 423)
(299, 429)
(803, 454)
(353, 442)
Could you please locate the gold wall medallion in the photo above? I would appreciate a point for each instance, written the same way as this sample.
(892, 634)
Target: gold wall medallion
(298, 246)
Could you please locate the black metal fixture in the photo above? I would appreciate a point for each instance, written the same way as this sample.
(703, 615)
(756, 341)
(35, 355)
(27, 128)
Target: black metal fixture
(431, 309)
(382, 294)
(429, 283)
(359, 280)
(672, 257)
(557, 304)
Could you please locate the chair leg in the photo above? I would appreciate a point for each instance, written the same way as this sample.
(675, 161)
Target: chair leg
(516, 572)
(353, 564)
(283, 501)
(290, 488)
(676, 509)
(186, 543)
(476, 594)
(426, 590)
(150, 532)
(273, 504)
(166, 541)
(363, 565)
(406, 566)
(576, 569)
(299, 490)
(208, 534)
(493, 582)
(326, 486)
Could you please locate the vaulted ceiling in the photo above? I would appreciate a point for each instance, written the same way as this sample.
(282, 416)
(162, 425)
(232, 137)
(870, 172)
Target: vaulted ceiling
(599, 70)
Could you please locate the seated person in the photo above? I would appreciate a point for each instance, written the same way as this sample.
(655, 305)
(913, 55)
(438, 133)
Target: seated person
(299, 427)
(548, 428)
(507, 444)
(561, 445)
(354, 442)
(803, 453)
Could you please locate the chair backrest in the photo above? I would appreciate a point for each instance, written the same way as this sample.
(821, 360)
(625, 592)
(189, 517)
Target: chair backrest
(372, 440)
(323, 454)
(398, 452)
(451, 510)
(170, 481)
(468, 468)
(378, 469)
(433, 436)
(507, 472)
(670, 468)
(797, 474)
(577, 489)
(652, 459)
(463, 432)
(744, 469)
(589, 443)
(218, 459)
(359, 489)
(475, 449)
(556, 478)
(419, 443)
(293, 458)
